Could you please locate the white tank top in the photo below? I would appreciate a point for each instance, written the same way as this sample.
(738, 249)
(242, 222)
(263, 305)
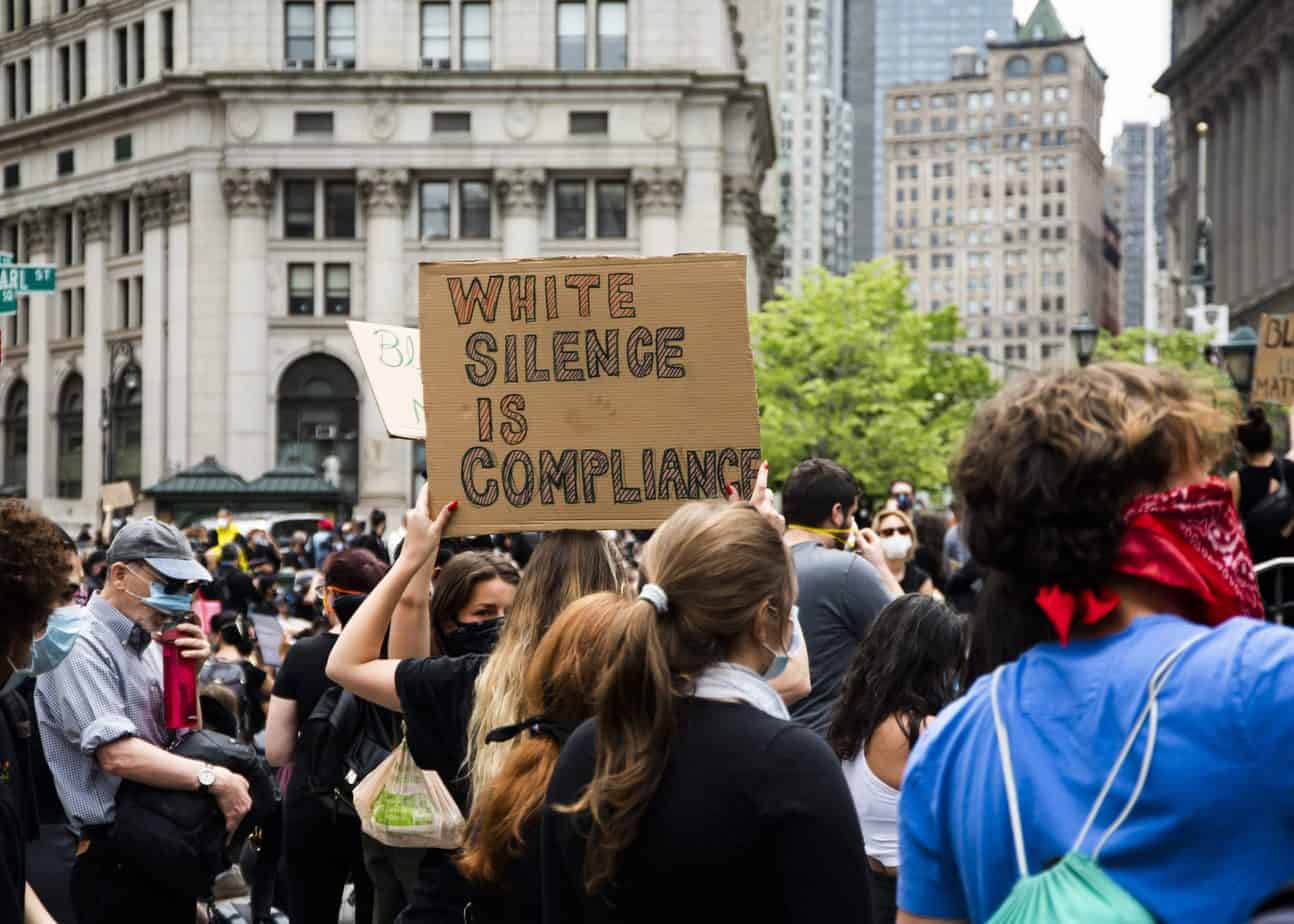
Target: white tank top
(877, 805)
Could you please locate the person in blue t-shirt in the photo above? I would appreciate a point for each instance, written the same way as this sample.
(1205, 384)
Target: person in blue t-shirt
(1108, 547)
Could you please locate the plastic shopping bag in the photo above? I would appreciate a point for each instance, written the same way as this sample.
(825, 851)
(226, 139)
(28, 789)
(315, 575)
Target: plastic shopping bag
(401, 805)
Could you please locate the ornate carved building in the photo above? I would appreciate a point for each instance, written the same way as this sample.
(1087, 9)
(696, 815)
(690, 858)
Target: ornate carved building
(224, 185)
(1231, 83)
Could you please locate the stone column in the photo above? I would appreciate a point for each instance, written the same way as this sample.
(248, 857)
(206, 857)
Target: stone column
(1269, 152)
(521, 202)
(151, 196)
(1284, 170)
(1254, 154)
(38, 228)
(96, 227)
(248, 196)
(176, 450)
(384, 462)
(1236, 200)
(658, 194)
(738, 200)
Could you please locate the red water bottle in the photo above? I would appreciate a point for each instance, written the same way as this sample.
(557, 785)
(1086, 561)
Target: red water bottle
(179, 681)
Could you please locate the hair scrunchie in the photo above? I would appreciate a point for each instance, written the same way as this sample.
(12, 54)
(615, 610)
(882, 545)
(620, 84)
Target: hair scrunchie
(656, 596)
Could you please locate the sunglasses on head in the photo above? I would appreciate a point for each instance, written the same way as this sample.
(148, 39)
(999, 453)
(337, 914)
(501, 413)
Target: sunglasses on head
(895, 531)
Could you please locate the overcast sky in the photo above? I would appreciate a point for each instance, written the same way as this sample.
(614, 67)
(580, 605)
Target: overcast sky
(1129, 39)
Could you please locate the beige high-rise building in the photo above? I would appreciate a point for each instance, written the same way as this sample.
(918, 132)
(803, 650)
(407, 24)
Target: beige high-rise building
(994, 185)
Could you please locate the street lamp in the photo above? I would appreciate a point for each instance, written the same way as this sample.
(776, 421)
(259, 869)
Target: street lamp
(1238, 359)
(1084, 335)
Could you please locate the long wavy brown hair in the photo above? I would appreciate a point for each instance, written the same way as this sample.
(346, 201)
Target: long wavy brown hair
(719, 565)
(561, 684)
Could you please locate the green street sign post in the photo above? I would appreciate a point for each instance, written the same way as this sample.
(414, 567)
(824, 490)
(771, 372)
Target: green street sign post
(5, 258)
(22, 279)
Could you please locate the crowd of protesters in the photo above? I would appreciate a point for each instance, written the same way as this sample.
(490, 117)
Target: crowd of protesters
(1048, 703)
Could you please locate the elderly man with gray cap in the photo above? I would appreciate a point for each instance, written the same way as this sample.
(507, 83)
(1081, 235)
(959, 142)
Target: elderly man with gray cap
(102, 721)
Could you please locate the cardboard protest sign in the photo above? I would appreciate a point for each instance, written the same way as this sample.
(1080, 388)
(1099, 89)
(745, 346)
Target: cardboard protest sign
(586, 392)
(117, 495)
(1274, 365)
(390, 356)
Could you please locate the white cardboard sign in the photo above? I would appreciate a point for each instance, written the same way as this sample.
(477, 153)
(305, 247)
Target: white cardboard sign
(391, 358)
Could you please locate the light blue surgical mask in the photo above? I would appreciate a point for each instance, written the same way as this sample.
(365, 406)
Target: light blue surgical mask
(176, 604)
(19, 675)
(780, 661)
(48, 651)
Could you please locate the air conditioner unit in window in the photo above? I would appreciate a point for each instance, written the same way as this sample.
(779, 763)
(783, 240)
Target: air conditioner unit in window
(436, 64)
(325, 431)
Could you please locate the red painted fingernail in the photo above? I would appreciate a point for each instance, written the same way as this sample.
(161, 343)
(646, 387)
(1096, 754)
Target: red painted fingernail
(453, 505)
(727, 489)
(765, 465)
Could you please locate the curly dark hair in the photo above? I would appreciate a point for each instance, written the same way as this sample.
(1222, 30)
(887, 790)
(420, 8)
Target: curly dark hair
(33, 571)
(906, 666)
(1255, 434)
(1045, 471)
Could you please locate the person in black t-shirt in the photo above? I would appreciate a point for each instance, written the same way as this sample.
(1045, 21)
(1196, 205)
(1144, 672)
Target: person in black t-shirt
(898, 542)
(502, 869)
(692, 797)
(320, 846)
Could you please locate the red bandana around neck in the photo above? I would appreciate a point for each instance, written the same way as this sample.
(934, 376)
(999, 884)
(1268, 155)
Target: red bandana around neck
(1189, 538)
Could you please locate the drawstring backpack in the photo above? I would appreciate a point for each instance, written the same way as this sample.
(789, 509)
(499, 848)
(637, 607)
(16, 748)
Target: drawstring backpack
(1076, 889)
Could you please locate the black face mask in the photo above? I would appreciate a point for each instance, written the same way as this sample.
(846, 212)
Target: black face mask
(472, 638)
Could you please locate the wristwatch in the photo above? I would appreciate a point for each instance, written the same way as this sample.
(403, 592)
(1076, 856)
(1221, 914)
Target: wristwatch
(206, 778)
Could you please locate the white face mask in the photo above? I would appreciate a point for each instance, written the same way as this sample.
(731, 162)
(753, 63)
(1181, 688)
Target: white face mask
(896, 547)
(222, 522)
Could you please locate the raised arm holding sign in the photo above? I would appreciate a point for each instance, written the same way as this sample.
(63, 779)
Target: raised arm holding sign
(586, 392)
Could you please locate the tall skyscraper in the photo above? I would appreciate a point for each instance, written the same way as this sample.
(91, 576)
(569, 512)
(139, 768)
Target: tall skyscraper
(1141, 151)
(816, 136)
(894, 42)
(993, 193)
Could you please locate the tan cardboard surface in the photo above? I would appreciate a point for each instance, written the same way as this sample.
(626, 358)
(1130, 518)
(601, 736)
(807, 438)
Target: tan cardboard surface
(390, 356)
(1274, 365)
(117, 495)
(586, 392)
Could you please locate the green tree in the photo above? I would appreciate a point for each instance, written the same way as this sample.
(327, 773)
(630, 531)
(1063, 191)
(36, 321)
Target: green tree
(849, 370)
(1179, 349)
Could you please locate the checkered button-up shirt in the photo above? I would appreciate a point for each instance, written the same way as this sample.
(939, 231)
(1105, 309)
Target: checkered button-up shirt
(108, 687)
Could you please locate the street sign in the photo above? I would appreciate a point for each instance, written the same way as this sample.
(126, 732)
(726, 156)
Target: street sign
(25, 278)
(5, 258)
(8, 301)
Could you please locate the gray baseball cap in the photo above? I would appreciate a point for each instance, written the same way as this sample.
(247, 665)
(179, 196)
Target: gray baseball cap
(160, 546)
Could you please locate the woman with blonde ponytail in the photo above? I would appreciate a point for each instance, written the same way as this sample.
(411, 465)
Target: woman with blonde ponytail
(692, 796)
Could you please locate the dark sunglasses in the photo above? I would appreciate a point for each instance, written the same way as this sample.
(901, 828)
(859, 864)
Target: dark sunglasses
(895, 531)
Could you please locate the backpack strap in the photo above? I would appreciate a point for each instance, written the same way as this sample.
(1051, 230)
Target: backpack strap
(1008, 777)
(1149, 713)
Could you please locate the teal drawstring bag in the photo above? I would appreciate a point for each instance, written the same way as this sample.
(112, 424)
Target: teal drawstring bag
(1076, 890)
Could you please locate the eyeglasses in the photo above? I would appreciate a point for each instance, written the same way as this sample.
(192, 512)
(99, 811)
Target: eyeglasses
(895, 531)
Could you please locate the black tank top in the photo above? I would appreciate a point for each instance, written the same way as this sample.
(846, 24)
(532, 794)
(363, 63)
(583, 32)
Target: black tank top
(1255, 484)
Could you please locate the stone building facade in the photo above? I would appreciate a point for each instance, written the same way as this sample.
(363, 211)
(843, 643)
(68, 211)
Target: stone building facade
(224, 185)
(994, 193)
(1231, 85)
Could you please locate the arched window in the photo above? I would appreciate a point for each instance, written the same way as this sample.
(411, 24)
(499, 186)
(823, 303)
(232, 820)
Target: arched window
(71, 399)
(319, 420)
(1055, 63)
(15, 437)
(1017, 66)
(126, 413)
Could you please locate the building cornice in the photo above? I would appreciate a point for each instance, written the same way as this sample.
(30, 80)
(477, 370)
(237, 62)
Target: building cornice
(1207, 45)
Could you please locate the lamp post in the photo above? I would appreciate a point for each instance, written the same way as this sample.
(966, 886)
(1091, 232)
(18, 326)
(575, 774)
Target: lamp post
(1238, 356)
(1084, 336)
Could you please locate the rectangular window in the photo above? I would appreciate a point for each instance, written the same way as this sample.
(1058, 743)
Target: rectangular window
(572, 36)
(25, 69)
(168, 40)
(65, 74)
(121, 44)
(337, 288)
(588, 123)
(11, 176)
(66, 162)
(301, 289)
(341, 36)
(312, 123)
(474, 209)
(612, 208)
(123, 303)
(613, 42)
(78, 314)
(433, 207)
(300, 32)
(339, 209)
(435, 36)
(476, 36)
(572, 208)
(123, 148)
(79, 74)
(299, 209)
(68, 239)
(447, 122)
(11, 91)
(123, 226)
(65, 300)
(140, 57)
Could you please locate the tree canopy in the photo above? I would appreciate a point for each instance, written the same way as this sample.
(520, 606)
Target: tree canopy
(849, 370)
